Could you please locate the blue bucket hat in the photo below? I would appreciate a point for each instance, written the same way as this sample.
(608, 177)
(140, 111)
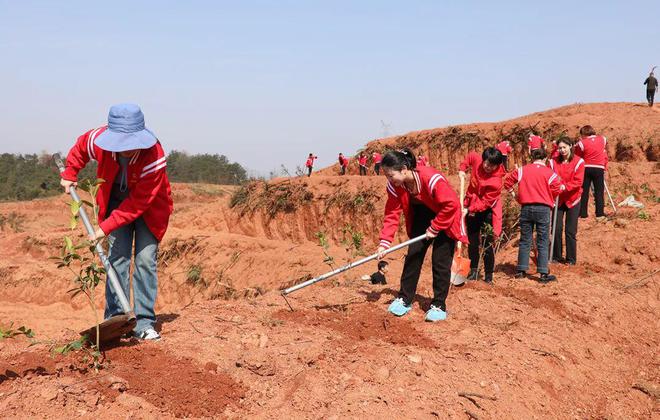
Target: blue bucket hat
(126, 130)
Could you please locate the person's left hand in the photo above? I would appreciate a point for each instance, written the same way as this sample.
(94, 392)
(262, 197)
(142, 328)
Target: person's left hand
(430, 234)
(99, 234)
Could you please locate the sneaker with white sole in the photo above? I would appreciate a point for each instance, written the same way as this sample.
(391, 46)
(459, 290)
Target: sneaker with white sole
(399, 308)
(147, 334)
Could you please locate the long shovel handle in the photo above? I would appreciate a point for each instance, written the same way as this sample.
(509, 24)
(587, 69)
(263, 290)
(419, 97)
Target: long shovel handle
(112, 275)
(554, 229)
(459, 245)
(609, 195)
(351, 265)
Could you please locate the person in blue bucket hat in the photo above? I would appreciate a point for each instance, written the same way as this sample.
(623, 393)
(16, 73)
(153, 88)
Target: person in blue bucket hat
(134, 201)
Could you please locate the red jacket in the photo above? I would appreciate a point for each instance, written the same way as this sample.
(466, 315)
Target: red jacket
(593, 150)
(377, 157)
(537, 184)
(535, 142)
(310, 161)
(504, 147)
(484, 190)
(572, 175)
(343, 161)
(436, 194)
(421, 161)
(150, 196)
(362, 160)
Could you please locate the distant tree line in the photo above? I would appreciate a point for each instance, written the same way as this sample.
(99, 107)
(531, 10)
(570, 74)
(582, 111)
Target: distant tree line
(30, 176)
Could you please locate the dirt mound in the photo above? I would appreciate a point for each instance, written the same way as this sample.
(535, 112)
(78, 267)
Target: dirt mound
(632, 130)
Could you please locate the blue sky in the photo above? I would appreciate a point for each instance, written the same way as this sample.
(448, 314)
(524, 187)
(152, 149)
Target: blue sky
(267, 82)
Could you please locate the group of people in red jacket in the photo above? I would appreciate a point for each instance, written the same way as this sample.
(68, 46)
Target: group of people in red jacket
(556, 181)
(362, 161)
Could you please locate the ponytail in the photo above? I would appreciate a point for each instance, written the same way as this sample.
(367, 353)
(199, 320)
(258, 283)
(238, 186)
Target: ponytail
(399, 159)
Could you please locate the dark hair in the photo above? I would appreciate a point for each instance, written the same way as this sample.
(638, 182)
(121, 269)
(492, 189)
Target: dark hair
(569, 141)
(492, 156)
(382, 264)
(587, 130)
(538, 154)
(399, 159)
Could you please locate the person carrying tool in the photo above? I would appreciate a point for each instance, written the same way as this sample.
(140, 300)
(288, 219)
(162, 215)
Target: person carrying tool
(538, 186)
(484, 207)
(362, 163)
(505, 148)
(310, 163)
(651, 88)
(593, 149)
(430, 207)
(135, 203)
(377, 158)
(570, 169)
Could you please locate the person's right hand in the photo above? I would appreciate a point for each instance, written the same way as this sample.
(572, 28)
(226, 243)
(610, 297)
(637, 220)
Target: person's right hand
(67, 184)
(380, 251)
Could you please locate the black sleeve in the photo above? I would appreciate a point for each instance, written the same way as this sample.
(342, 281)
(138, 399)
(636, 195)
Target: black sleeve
(646, 82)
(378, 278)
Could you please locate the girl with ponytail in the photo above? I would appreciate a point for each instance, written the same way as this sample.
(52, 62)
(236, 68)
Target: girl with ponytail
(430, 206)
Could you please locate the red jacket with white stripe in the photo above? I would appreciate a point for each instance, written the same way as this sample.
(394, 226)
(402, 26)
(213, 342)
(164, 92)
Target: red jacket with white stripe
(572, 175)
(593, 150)
(377, 157)
(504, 147)
(362, 160)
(484, 190)
(537, 184)
(149, 196)
(436, 194)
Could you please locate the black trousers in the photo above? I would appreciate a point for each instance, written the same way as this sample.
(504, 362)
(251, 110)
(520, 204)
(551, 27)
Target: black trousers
(595, 176)
(342, 170)
(474, 225)
(363, 170)
(377, 168)
(571, 227)
(650, 94)
(441, 258)
(309, 171)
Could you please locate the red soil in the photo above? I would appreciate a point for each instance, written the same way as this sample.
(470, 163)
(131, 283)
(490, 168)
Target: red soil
(583, 347)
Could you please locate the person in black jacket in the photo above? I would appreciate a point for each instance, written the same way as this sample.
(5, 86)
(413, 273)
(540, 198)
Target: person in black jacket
(379, 276)
(651, 87)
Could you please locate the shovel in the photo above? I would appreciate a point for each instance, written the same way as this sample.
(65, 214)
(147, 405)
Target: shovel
(460, 266)
(554, 230)
(119, 325)
(351, 265)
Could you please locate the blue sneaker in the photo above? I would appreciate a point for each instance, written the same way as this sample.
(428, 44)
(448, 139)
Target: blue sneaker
(399, 308)
(435, 314)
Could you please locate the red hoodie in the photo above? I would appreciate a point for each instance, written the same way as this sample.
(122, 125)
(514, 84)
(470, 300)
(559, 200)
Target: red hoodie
(537, 184)
(149, 196)
(504, 147)
(593, 150)
(436, 194)
(484, 190)
(362, 160)
(572, 175)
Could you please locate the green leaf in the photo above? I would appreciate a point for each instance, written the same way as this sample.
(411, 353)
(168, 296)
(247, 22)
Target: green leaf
(75, 208)
(68, 243)
(73, 222)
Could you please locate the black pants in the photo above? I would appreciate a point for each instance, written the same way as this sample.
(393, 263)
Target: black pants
(505, 161)
(342, 170)
(363, 170)
(377, 168)
(571, 233)
(594, 176)
(475, 223)
(441, 258)
(649, 96)
(309, 171)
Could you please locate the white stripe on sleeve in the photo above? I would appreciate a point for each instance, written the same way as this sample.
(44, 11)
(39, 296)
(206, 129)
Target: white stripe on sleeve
(154, 163)
(161, 166)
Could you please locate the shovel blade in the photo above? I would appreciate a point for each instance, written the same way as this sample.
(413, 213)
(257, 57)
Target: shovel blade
(111, 329)
(460, 268)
